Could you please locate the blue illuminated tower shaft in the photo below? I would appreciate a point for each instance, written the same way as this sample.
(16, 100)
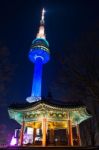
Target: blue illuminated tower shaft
(37, 78)
(39, 54)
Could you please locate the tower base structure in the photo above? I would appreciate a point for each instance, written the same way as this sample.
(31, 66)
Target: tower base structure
(32, 99)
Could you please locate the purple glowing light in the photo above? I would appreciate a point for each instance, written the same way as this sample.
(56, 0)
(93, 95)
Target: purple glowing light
(13, 141)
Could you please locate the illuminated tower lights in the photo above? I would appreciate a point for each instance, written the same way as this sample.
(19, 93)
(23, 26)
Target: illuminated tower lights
(39, 54)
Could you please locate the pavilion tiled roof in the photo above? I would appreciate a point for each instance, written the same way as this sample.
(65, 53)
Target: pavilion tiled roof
(55, 103)
(77, 110)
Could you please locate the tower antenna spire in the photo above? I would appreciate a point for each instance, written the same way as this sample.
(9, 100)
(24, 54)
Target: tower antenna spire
(42, 17)
(41, 33)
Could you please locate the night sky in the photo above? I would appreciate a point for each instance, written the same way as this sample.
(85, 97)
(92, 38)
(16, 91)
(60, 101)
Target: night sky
(66, 24)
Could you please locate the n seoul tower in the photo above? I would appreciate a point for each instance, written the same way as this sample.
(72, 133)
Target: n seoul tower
(39, 54)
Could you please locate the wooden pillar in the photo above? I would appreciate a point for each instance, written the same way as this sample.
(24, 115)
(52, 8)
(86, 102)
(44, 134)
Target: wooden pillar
(34, 135)
(66, 137)
(22, 133)
(70, 134)
(51, 136)
(78, 134)
(44, 131)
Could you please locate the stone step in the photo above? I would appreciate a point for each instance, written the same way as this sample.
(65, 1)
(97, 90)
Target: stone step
(50, 148)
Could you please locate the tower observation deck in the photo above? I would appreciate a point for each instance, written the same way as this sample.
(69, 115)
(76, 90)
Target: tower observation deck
(39, 54)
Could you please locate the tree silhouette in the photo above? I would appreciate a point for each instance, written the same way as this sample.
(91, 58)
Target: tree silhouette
(6, 72)
(80, 69)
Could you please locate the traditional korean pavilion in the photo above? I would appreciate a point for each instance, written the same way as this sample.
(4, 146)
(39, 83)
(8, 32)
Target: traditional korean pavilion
(57, 122)
(50, 118)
